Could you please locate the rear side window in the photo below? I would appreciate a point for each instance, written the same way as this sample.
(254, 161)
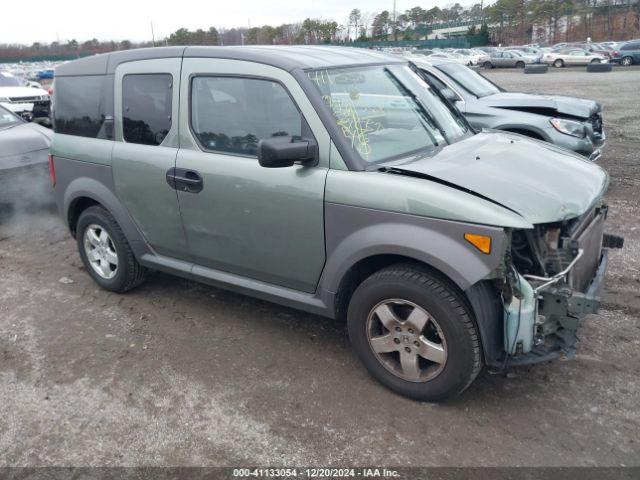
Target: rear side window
(146, 107)
(232, 114)
(82, 104)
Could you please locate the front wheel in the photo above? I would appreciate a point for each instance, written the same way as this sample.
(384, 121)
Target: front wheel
(106, 253)
(520, 65)
(414, 333)
(626, 61)
(487, 65)
(558, 63)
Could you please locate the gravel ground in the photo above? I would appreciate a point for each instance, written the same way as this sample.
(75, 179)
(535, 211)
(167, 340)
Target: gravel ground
(176, 373)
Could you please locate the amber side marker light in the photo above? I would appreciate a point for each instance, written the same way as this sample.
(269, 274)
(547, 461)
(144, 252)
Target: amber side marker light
(52, 171)
(481, 242)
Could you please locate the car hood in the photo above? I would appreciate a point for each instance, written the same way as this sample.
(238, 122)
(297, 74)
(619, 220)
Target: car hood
(24, 144)
(21, 92)
(576, 107)
(540, 182)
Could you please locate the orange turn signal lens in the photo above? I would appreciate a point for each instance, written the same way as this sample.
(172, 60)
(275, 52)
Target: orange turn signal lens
(481, 242)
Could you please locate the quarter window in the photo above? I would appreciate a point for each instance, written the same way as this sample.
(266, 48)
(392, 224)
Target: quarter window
(82, 106)
(146, 107)
(232, 114)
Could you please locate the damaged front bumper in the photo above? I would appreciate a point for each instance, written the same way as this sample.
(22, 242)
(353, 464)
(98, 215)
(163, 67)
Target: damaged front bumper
(551, 331)
(542, 319)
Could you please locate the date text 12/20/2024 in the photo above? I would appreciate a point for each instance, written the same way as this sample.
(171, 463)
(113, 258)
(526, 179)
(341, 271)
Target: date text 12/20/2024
(315, 472)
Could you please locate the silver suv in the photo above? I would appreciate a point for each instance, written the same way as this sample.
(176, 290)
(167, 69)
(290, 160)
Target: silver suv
(569, 122)
(338, 182)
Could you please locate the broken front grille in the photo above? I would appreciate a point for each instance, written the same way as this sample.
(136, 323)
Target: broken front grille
(596, 123)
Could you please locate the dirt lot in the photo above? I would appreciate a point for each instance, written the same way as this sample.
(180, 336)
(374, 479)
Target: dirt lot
(177, 373)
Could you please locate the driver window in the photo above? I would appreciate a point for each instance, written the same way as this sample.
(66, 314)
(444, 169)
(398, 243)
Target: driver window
(232, 114)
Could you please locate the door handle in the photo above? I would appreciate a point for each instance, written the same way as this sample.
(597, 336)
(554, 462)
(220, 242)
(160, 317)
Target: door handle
(185, 180)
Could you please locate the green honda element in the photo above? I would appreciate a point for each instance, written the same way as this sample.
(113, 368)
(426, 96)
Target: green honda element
(336, 181)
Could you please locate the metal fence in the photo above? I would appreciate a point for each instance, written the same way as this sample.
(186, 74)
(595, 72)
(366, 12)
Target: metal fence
(42, 58)
(466, 41)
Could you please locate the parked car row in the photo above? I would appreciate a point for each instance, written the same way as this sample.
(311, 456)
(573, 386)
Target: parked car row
(30, 102)
(464, 56)
(348, 183)
(569, 54)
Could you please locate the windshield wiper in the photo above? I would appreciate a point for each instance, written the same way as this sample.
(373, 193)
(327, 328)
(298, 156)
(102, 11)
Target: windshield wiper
(422, 107)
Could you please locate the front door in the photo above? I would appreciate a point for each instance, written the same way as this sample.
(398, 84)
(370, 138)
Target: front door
(262, 223)
(146, 133)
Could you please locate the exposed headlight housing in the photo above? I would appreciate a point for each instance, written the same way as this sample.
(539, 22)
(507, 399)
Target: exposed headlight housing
(568, 127)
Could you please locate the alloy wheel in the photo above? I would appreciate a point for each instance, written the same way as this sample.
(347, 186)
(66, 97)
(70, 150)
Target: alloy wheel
(406, 340)
(100, 251)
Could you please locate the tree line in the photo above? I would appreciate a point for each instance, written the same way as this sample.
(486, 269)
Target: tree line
(504, 21)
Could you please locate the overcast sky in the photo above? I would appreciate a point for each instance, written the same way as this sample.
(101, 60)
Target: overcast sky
(45, 21)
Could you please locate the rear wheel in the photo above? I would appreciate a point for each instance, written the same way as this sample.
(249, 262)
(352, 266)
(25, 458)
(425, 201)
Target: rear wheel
(487, 65)
(519, 64)
(626, 61)
(558, 63)
(414, 333)
(106, 253)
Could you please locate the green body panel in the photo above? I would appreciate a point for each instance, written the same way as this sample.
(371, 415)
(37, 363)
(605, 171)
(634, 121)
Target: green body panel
(84, 149)
(258, 222)
(415, 196)
(540, 181)
(263, 223)
(139, 171)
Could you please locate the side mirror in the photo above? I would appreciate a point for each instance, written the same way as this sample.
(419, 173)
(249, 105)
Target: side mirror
(278, 152)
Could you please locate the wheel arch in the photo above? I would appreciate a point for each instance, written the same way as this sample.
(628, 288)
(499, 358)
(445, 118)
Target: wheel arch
(366, 266)
(361, 240)
(84, 192)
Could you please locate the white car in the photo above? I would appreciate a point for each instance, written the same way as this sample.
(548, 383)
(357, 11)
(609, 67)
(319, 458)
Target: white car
(454, 57)
(573, 56)
(476, 57)
(32, 104)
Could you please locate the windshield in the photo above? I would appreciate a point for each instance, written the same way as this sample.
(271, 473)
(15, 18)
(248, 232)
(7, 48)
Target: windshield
(8, 80)
(387, 112)
(8, 119)
(468, 79)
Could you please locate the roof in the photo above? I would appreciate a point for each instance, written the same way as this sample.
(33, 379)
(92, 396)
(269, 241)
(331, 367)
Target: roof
(285, 57)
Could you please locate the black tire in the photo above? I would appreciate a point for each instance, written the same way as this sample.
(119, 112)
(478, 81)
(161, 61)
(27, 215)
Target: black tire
(559, 63)
(487, 65)
(626, 61)
(444, 303)
(129, 273)
(519, 64)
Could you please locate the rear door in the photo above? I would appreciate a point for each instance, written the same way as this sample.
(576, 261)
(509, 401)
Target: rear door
(146, 134)
(509, 59)
(266, 224)
(496, 58)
